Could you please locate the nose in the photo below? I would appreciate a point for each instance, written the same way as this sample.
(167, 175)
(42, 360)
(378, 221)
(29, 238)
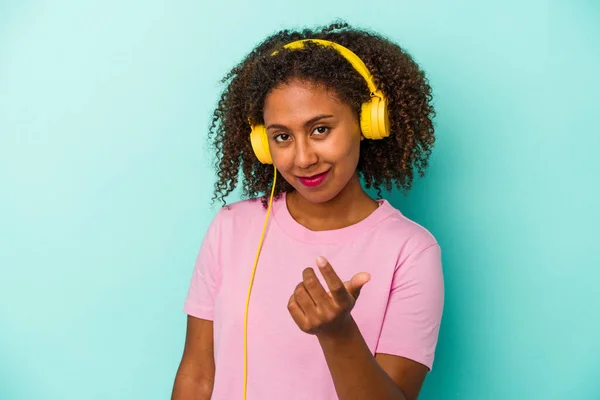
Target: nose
(305, 154)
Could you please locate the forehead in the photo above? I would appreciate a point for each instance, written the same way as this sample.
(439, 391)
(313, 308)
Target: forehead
(301, 101)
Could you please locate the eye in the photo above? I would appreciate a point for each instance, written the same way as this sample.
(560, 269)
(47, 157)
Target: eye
(321, 130)
(282, 138)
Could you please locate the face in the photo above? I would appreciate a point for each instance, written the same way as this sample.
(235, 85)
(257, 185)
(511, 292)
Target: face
(314, 139)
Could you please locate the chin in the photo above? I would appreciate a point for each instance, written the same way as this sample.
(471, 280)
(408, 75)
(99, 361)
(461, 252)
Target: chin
(317, 196)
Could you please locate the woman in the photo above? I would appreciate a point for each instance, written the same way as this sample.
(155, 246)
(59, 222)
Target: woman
(365, 326)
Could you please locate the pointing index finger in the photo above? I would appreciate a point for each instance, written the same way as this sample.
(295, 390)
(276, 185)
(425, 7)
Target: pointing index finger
(334, 283)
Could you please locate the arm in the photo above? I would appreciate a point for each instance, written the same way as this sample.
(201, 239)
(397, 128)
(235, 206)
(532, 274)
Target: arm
(196, 372)
(195, 376)
(357, 374)
(410, 327)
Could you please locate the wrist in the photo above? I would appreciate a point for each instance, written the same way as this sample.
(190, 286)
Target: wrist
(344, 332)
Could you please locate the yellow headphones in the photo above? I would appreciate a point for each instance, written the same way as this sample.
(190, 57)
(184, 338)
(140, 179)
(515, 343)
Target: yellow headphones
(374, 120)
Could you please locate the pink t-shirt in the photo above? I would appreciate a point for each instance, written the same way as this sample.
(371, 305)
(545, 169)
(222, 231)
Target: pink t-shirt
(398, 310)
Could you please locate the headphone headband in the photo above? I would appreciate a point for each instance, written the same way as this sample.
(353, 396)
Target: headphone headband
(348, 54)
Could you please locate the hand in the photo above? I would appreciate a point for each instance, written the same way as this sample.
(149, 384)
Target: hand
(318, 312)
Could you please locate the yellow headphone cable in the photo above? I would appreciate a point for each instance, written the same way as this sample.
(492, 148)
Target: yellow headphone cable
(262, 237)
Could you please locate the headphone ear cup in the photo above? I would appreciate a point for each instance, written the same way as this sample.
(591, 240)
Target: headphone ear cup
(260, 144)
(382, 119)
(374, 119)
(366, 125)
(375, 122)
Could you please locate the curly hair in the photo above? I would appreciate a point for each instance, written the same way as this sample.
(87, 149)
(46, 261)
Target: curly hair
(382, 163)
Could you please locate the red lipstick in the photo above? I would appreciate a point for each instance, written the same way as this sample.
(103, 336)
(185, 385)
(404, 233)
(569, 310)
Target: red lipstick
(313, 181)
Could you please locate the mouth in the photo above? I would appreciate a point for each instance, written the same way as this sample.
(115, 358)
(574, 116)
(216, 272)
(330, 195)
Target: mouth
(313, 181)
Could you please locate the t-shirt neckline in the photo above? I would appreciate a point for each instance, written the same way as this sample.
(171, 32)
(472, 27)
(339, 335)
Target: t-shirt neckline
(299, 232)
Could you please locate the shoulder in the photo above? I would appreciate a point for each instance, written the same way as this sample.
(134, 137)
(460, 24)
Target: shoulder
(403, 233)
(249, 208)
(239, 214)
(417, 254)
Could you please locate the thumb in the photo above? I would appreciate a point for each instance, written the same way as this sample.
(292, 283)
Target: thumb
(354, 285)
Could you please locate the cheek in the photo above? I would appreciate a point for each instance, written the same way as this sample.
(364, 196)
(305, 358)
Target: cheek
(344, 151)
(283, 159)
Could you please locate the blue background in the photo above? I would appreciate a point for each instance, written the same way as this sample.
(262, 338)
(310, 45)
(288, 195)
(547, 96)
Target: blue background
(105, 184)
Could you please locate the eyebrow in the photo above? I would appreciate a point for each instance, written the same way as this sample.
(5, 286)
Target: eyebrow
(306, 124)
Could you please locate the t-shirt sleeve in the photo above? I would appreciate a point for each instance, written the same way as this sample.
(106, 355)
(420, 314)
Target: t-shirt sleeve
(412, 319)
(206, 276)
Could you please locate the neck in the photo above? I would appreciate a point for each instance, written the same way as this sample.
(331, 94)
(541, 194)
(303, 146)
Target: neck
(350, 206)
